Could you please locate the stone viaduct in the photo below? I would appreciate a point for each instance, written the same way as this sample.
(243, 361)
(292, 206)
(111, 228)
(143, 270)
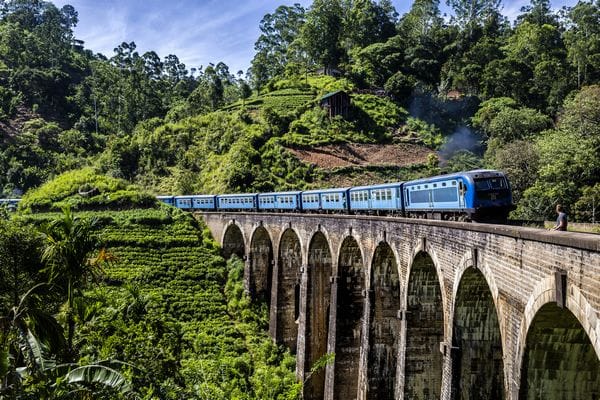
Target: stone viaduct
(421, 309)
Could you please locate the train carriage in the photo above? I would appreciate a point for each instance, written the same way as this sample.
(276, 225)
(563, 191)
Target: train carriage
(327, 200)
(280, 201)
(204, 202)
(10, 204)
(184, 202)
(246, 201)
(311, 200)
(169, 200)
(385, 197)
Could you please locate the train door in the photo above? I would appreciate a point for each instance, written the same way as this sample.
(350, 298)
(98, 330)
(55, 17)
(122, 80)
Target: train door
(430, 193)
(462, 189)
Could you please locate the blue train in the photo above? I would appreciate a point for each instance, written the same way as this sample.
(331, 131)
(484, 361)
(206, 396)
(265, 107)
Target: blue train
(10, 204)
(479, 195)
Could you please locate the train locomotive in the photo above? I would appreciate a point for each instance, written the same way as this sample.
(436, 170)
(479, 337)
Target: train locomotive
(478, 195)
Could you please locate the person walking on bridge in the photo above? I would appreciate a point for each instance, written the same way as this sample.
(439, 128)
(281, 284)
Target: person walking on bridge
(561, 221)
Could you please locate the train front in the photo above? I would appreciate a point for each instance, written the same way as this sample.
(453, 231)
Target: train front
(493, 196)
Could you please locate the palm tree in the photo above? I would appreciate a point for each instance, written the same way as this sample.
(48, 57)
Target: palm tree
(19, 345)
(70, 241)
(24, 357)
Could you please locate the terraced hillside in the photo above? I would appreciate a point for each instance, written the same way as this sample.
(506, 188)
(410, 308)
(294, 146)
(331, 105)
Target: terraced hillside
(173, 308)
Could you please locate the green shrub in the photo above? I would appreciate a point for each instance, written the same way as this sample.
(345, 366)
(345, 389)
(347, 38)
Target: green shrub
(85, 189)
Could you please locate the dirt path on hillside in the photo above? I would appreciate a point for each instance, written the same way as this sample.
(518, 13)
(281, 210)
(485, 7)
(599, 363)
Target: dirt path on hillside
(348, 155)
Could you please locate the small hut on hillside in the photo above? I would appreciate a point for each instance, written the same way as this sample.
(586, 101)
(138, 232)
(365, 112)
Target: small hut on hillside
(336, 103)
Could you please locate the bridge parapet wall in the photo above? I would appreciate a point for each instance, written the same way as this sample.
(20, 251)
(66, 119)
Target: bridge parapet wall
(524, 269)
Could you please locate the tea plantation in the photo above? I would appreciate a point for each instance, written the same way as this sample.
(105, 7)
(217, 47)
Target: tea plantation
(175, 311)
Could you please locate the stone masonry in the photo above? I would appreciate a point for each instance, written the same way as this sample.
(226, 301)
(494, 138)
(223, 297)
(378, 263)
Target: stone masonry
(421, 309)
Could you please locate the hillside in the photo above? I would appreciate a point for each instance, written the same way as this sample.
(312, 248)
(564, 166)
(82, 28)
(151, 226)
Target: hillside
(476, 89)
(345, 155)
(171, 307)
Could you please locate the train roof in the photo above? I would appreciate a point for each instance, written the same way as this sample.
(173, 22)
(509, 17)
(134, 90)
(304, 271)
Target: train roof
(292, 192)
(476, 173)
(237, 195)
(194, 196)
(10, 200)
(317, 191)
(378, 186)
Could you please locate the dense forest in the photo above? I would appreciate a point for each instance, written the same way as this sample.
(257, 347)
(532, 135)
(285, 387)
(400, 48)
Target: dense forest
(130, 299)
(480, 90)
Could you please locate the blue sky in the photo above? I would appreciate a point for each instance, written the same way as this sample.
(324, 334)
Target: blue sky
(197, 31)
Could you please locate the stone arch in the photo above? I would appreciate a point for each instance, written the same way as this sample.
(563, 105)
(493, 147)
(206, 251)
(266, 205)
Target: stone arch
(261, 265)
(542, 317)
(350, 308)
(233, 241)
(424, 330)
(384, 329)
(320, 268)
(476, 350)
(288, 289)
(432, 253)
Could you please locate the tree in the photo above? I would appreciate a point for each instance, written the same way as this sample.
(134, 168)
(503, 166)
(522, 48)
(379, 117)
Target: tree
(20, 264)
(368, 22)
(245, 91)
(70, 241)
(489, 109)
(279, 30)
(517, 124)
(320, 34)
(471, 13)
(376, 63)
(582, 40)
(587, 207)
(19, 344)
(520, 161)
(538, 12)
(582, 113)
(424, 15)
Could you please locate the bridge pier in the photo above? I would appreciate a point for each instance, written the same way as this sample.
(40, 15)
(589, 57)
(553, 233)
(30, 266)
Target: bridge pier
(302, 320)
(273, 309)
(332, 341)
(435, 317)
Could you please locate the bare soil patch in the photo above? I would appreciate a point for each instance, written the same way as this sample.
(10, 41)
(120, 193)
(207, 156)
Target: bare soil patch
(362, 155)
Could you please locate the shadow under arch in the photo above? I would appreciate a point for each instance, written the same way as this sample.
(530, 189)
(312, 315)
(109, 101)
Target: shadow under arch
(477, 360)
(384, 329)
(288, 289)
(558, 359)
(261, 265)
(320, 270)
(350, 308)
(424, 331)
(233, 242)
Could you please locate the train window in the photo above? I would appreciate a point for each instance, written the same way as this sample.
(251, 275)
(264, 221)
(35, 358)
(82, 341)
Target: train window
(453, 183)
(443, 183)
(435, 185)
